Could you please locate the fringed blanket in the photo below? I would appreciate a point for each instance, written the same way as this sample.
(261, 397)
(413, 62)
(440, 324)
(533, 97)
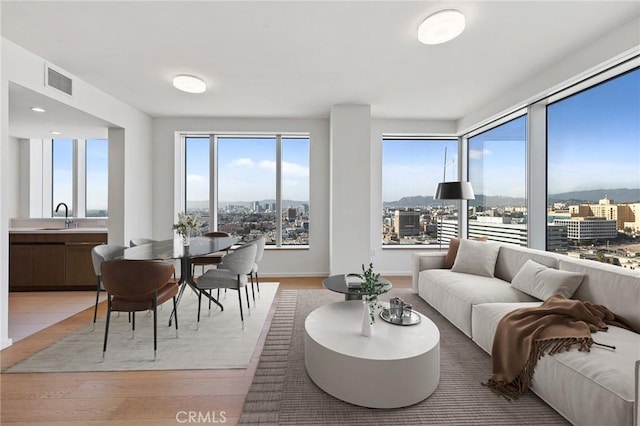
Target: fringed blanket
(523, 336)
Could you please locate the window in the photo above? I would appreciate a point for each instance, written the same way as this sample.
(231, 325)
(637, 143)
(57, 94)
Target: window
(97, 178)
(79, 177)
(197, 178)
(261, 185)
(497, 172)
(411, 170)
(593, 171)
(62, 176)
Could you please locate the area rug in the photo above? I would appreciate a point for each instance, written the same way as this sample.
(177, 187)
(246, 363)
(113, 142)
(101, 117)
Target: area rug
(283, 394)
(220, 340)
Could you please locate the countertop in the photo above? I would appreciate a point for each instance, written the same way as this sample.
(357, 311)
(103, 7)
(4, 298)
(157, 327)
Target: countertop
(53, 230)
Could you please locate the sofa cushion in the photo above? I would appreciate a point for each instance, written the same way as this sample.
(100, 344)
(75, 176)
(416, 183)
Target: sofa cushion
(612, 286)
(567, 379)
(511, 258)
(541, 282)
(452, 252)
(485, 318)
(476, 257)
(453, 294)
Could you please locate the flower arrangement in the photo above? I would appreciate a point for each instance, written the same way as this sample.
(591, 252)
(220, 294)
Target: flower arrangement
(370, 289)
(188, 225)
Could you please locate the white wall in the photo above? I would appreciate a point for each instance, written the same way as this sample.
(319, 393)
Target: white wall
(132, 213)
(282, 262)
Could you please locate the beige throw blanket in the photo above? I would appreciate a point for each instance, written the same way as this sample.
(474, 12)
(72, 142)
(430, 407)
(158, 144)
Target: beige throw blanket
(524, 335)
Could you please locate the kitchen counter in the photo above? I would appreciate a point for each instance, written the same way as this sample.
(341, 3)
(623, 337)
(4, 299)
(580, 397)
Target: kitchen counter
(42, 259)
(80, 230)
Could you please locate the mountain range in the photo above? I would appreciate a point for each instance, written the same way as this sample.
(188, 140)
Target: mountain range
(620, 195)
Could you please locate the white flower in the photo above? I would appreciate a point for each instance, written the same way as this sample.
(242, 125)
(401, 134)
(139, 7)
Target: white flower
(188, 224)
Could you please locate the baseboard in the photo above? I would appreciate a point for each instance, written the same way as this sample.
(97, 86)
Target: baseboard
(6, 343)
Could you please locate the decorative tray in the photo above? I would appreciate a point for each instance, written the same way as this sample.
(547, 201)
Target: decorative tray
(405, 320)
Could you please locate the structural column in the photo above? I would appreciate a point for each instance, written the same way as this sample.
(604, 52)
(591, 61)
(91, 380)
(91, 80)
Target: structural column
(350, 188)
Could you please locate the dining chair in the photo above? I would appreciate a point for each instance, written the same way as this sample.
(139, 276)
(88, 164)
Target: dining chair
(99, 254)
(140, 241)
(138, 285)
(232, 274)
(260, 243)
(213, 258)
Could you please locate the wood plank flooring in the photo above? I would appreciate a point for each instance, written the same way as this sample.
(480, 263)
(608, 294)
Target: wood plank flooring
(127, 398)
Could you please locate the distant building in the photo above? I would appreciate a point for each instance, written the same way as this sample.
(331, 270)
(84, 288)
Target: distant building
(588, 228)
(557, 238)
(406, 223)
(499, 229)
(291, 214)
(625, 215)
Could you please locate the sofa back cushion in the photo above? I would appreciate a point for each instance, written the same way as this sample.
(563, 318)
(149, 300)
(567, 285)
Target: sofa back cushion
(476, 258)
(612, 286)
(512, 257)
(541, 282)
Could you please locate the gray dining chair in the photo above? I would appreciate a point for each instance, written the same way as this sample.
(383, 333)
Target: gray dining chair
(99, 254)
(260, 243)
(140, 241)
(233, 275)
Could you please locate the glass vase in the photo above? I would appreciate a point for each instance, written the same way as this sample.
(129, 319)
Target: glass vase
(186, 240)
(367, 323)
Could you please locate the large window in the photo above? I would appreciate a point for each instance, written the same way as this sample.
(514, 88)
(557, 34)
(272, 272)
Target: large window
(593, 172)
(411, 170)
(497, 172)
(62, 176)
(80, 177)
(97, 178)
(261, 183)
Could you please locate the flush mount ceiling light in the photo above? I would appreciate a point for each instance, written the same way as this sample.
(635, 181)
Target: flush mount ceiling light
(37, 109)
(189, 83)
(53, 132)
(441, 27)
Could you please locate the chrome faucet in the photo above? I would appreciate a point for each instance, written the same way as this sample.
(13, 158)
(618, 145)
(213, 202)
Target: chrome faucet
(67, 221)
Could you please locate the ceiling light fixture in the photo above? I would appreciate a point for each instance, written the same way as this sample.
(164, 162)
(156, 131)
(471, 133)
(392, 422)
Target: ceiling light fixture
(38, 109)
(441, 27)
(53, 132)
(189, 83)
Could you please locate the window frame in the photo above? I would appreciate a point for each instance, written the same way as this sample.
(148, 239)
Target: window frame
(213, 175)
(79, 179)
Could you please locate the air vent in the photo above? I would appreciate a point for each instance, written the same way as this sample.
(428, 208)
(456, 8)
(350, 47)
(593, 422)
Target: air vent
(59, 81)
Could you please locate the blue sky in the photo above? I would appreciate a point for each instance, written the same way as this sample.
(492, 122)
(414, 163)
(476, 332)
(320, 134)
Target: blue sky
(247, 169)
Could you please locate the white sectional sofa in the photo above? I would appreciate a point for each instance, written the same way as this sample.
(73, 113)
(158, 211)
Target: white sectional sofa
(599, 387)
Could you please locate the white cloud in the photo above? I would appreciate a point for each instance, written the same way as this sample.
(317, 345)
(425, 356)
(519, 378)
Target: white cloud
(195, 178)
(242, 162)
(289, 170)
(474, 154)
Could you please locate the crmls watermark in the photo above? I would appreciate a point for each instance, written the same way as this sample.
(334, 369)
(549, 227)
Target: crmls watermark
(201, 417)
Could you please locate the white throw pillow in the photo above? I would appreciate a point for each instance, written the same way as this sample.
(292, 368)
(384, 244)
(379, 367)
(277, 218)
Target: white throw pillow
(542, 282)
(476, 257)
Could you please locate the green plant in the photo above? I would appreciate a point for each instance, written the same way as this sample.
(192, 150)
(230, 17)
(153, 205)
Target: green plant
(370, 289)
(188, 224)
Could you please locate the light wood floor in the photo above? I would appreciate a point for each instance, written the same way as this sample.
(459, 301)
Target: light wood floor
(126, 398)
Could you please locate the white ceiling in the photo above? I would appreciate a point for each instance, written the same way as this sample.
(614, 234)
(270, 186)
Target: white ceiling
(298, 58)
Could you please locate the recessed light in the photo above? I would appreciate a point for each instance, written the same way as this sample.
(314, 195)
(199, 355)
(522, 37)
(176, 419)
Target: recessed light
(53, 132)
(441, 27)
(38, 109)
(189, 83)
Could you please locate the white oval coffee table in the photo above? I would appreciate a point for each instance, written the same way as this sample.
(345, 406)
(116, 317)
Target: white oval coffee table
(396, 367)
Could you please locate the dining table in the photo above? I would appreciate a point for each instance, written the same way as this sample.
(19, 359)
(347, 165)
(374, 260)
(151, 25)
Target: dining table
(174, 249)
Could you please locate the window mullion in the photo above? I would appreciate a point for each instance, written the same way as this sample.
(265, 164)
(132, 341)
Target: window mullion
(279, 190)
(213, 183)
(79, 178)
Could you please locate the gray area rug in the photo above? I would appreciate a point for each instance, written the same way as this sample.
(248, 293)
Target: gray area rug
(283, 394)
(220, 341)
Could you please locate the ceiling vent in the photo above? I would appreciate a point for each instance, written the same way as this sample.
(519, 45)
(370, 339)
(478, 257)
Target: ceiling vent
(56, 80)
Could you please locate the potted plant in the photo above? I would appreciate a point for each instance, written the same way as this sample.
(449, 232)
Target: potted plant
(370, 289)
(187, 226)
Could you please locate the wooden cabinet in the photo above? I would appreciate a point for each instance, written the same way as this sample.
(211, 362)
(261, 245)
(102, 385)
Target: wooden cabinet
(52, 261)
